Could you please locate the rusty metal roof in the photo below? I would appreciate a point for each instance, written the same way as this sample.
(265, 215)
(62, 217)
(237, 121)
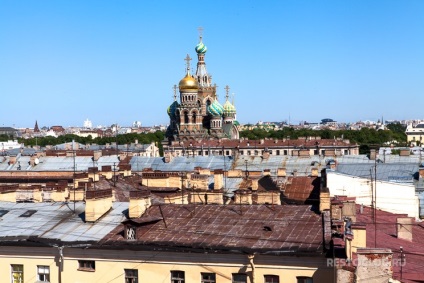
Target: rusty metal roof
(246, 228)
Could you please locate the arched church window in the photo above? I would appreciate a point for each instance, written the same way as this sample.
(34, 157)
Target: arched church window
(193, 118)
(186, 121)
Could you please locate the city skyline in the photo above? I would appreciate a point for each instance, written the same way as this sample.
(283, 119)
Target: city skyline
(110, 62)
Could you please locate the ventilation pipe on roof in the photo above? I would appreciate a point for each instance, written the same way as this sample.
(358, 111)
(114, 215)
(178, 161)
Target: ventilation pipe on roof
(252, 265)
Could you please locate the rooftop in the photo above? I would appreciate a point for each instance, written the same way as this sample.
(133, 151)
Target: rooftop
(247, 228)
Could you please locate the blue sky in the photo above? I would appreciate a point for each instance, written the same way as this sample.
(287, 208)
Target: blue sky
(62, 62)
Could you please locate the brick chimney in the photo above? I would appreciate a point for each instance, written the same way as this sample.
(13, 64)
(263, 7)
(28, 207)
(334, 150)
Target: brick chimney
(372, 154)
(140, 201)
(381, 272)
(243, 197)
(218, 176)
(97, 203)
(324, 199)
(314, 172)
(12, 160)
(97, 154)
(404, 228)
(255, 184)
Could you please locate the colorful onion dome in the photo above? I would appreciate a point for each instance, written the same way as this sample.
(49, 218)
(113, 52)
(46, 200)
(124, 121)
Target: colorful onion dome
(172, 109)
(201, 48)
(215, 109)
(229, 109)
(188, 82)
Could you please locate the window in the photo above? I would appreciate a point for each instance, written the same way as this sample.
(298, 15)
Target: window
(272, 279)
(17, 273)
(130, 233)
(86, 265)
(303, 279)
(131, 276)
(208, 278)
(239, 278)
(177, 276)
(43, 273)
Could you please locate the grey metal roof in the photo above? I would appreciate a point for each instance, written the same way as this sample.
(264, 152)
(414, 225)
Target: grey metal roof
(389, 172)
(60, 163)
(138, 163)
(57, 221)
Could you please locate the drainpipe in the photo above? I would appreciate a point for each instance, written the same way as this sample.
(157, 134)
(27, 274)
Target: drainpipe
(252, 264)
(60, 263)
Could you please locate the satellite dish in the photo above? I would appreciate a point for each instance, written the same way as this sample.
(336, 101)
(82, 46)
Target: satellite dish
(36, 161)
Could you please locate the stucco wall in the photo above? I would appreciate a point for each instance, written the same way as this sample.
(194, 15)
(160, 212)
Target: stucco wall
(155, 266)
(391, 197)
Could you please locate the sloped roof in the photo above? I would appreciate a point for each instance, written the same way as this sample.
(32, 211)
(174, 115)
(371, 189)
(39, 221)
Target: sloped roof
(261, 228)
(56, 221)
(385, 234)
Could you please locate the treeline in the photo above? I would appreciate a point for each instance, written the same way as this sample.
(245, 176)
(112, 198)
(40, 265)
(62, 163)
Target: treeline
(144, 138)
(367, 138)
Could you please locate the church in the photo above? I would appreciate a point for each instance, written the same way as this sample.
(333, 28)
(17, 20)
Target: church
(198, 115)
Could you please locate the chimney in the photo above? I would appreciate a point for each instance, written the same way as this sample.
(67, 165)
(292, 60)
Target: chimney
(261, 141)
(255, 184)
(372, 154)
(267, 172)
(243, 197)
(333, 165)
(404, 228)
(405, 152)
(381, 272)
(314, 172)
(265, 154)
(97, 203)
(324, 199)
(281, 172)
(218, 176)
(12, 160)
(140, 201)
(97, 154)
(359, 240)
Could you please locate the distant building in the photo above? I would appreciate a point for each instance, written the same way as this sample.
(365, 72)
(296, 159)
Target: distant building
(415, 134)
(9, 131)
(198, 114)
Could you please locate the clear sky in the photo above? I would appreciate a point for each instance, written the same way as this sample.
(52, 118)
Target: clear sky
(62, 62)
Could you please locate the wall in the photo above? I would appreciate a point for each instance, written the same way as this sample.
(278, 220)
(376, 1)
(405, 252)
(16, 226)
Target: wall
(155, 266)
(391, 197)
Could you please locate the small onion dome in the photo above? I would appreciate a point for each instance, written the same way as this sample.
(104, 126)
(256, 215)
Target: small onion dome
(201, 48)
(172, 109)
(188, 82)
(229, 109)
(215, 109)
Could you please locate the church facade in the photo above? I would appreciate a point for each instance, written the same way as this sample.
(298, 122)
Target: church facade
(198, 115)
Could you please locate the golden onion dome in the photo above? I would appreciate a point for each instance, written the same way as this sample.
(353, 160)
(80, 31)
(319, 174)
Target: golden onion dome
(188, 82)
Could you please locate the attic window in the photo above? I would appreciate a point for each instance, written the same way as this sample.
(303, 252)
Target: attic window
(130, 233)
(267, 228)
(28, 213)
(3, 212)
